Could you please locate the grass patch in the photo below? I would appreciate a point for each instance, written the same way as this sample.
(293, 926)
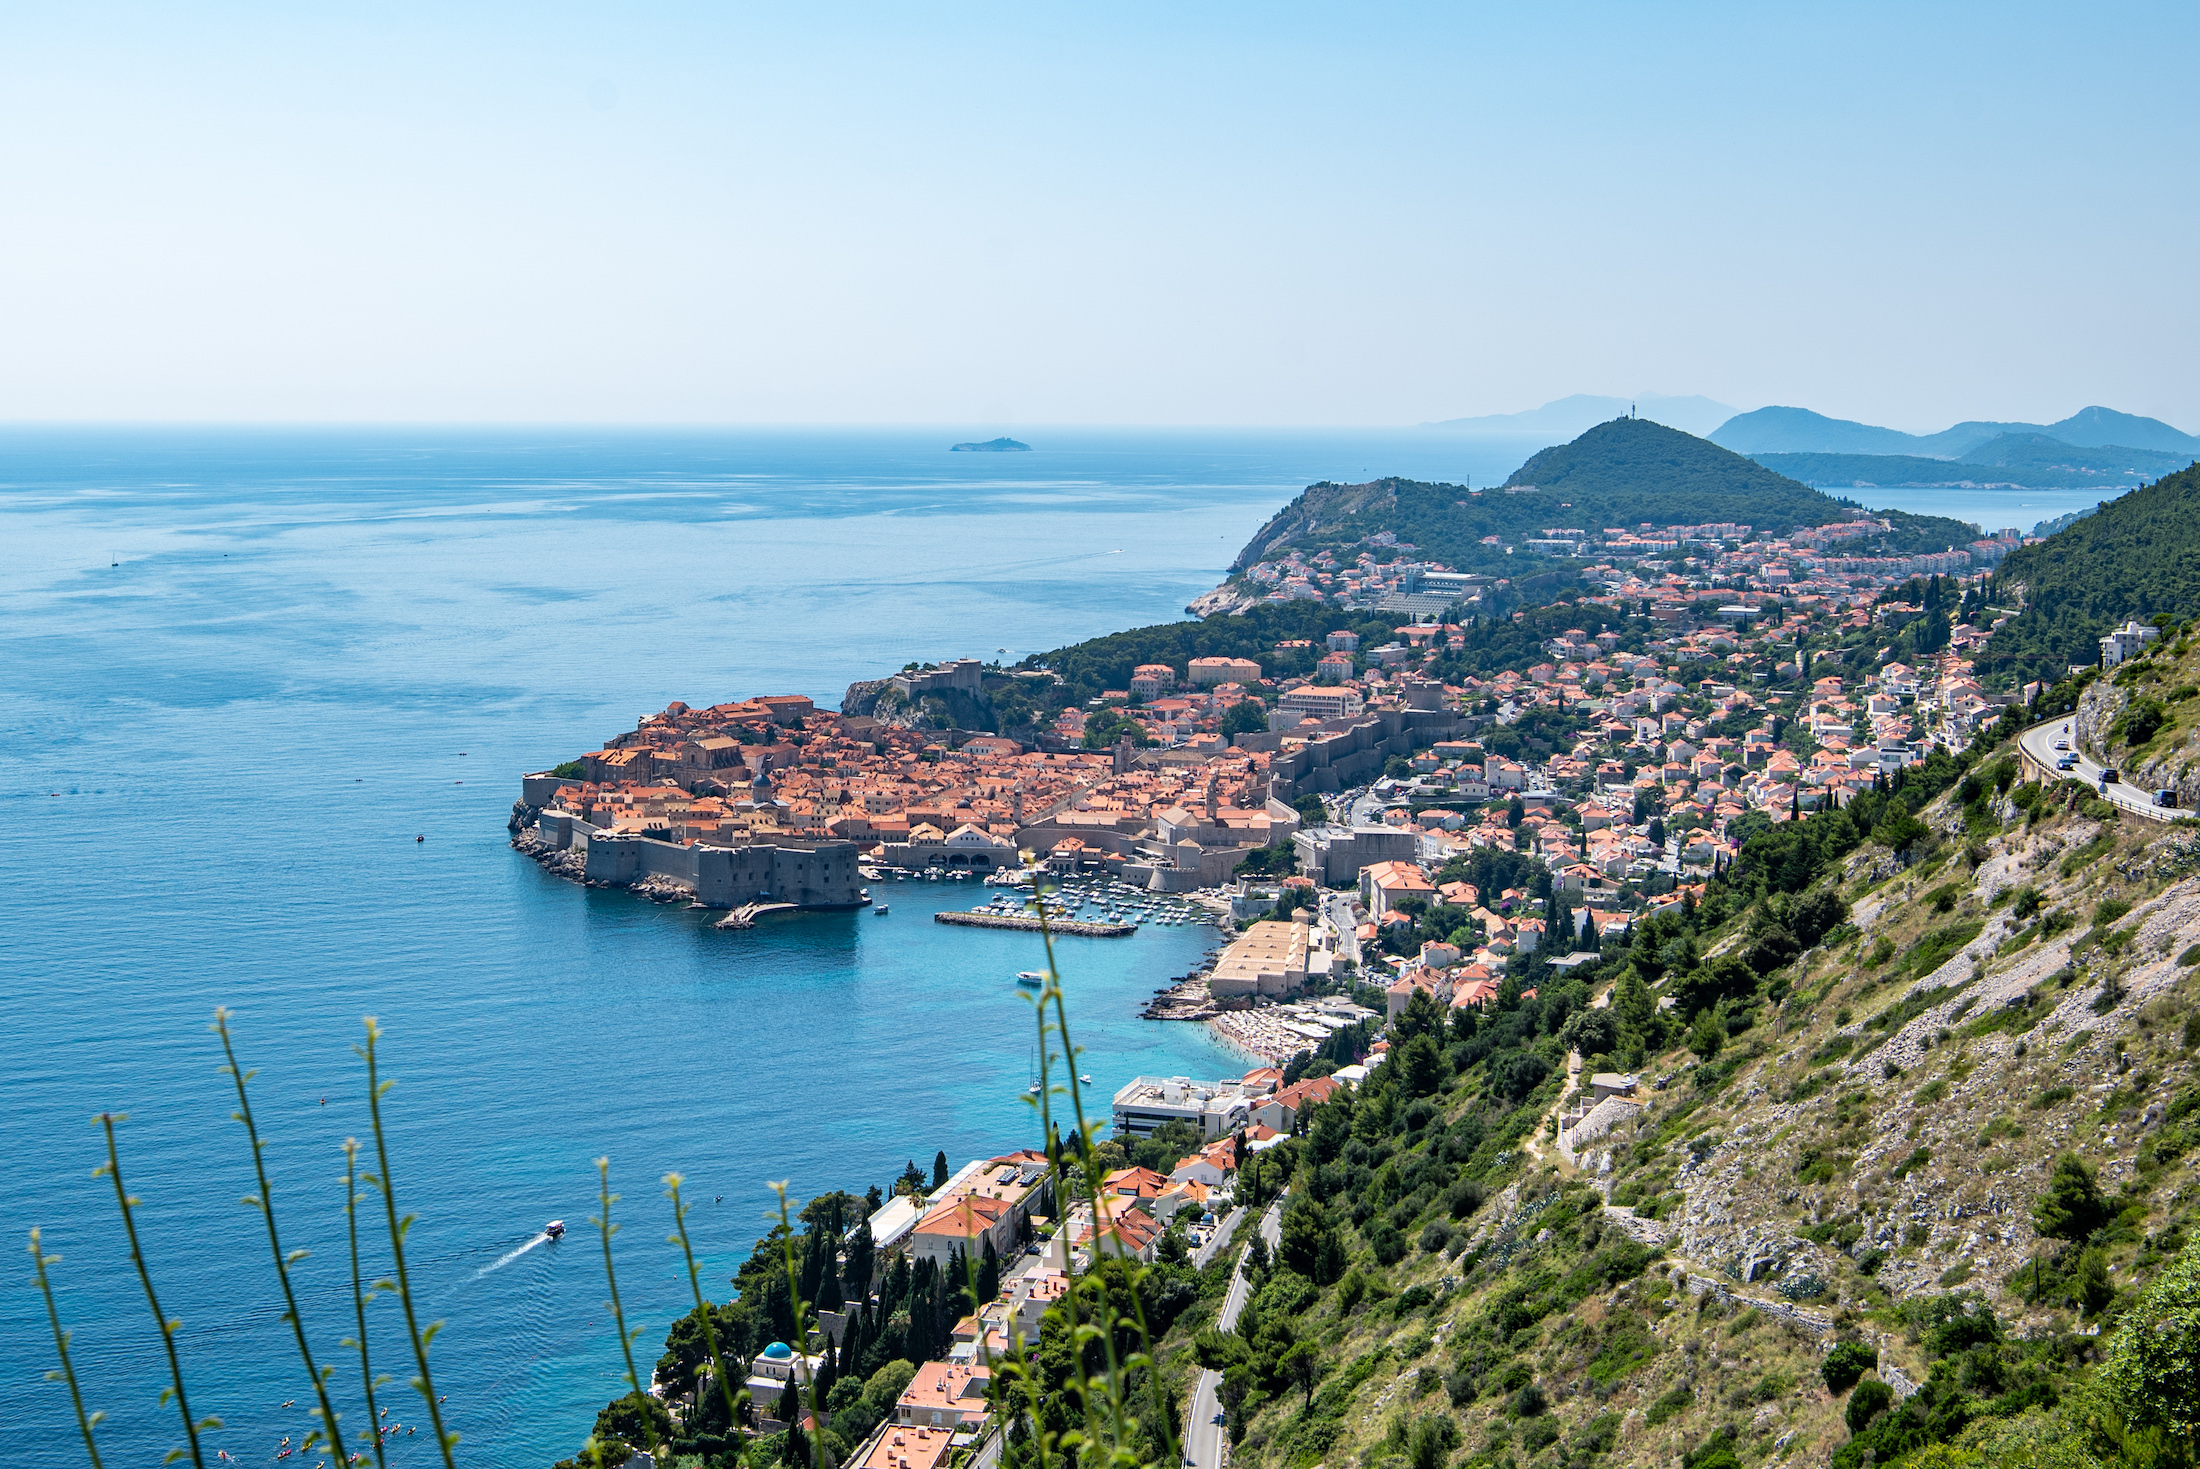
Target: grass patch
(2053, 1096)
(1934, 949)
(2015, 1018)
(1622, 1352)
(2077, 861)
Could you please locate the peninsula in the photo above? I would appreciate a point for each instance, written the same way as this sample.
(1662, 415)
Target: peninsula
(992, 446)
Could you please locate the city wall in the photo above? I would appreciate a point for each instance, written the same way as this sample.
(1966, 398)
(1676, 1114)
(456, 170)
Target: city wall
(1350, 754)
(822, 875)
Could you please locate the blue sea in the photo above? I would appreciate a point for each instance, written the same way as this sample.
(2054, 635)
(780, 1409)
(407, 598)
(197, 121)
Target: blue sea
(266, 697)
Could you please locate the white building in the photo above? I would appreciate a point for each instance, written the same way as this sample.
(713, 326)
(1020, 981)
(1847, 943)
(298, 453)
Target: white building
(1321, 703)
(1214, 1107)
(2126, 641)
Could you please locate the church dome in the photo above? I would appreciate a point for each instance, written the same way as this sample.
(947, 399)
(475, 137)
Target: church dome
(778, 1351)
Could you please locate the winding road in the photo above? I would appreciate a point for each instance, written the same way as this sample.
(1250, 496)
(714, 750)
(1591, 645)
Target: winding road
(1204, 1437)
(2038, 743)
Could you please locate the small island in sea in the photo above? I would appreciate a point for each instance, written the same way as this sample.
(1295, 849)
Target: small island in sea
(992, 446)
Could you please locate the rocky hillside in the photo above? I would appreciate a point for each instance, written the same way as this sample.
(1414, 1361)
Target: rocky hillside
(1918, 1085)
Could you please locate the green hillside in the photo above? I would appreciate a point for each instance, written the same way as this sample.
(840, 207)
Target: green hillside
(2031, 460)
(2137, 556)
(1620, 473)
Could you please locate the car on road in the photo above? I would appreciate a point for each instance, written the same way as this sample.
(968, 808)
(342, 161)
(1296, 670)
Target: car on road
(2068, 762)
(2165, 797)
(2110, 777)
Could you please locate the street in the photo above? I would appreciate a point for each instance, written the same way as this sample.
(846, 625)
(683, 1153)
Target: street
(2039, 743)
(1204, 1436)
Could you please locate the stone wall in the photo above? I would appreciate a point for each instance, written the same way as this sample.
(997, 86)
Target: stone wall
(817, 876)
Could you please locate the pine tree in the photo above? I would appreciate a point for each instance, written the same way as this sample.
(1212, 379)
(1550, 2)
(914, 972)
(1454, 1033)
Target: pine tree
(989, 1275)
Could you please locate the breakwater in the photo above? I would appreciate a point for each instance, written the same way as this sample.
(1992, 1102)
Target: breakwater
(1075, 928)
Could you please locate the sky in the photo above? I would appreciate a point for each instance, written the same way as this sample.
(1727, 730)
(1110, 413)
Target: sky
(1268, 214)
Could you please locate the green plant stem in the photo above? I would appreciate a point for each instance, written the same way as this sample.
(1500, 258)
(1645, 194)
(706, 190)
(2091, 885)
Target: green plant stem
(39, 1261)
(801, 1336)
(1117, 1409)
(702, 1310)
(423, 1383)
(265, 1200)
(113, 1169)
(618, 1315)
(360, 1295)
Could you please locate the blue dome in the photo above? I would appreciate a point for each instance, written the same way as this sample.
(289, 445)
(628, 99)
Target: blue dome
(779, 1351)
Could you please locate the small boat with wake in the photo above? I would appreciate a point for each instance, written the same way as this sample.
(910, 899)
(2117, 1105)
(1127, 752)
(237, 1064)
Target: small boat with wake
(1031, 978)
(555, 1229)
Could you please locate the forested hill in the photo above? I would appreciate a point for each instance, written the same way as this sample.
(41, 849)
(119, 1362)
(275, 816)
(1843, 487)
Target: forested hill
(2137, 556)
(1621, 473)
(1631, 470)
(2031, 460)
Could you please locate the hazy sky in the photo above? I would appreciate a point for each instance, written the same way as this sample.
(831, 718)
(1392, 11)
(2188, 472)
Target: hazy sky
(1254, 214)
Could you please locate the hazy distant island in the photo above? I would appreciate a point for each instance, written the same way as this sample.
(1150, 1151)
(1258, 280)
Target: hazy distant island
(992, 446)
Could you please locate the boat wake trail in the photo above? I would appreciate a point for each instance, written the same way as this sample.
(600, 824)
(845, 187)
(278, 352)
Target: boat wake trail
(510, 1256)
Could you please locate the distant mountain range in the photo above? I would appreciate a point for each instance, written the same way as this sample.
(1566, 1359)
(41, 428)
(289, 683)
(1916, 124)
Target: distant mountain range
(2033, 461)
(1568, 418)
(1800, 431)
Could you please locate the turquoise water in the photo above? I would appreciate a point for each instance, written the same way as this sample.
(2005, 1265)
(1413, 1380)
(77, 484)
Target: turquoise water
(319, 645)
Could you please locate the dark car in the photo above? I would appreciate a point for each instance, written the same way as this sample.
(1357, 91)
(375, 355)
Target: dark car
(2109, 777)
(2165, 797)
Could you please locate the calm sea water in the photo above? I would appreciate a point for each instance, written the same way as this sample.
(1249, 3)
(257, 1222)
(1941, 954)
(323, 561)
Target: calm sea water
(243, 671)
(317, 646)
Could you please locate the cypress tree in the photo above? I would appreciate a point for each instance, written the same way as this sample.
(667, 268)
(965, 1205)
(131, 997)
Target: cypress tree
(813, 1267)
(829, 1297)
(989, 1274)
(939, 1169)
(860, 1256)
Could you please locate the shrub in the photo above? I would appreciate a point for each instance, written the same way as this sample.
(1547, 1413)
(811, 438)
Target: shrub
(2139, 722)
(1871, 1398)
(1668, 1405)
(1464, 1197)
(2072, 1208)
